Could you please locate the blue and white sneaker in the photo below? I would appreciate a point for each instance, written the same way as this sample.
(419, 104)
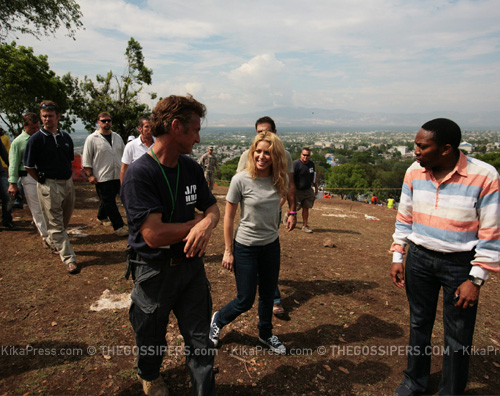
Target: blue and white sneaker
(214, 331)
(274, 344)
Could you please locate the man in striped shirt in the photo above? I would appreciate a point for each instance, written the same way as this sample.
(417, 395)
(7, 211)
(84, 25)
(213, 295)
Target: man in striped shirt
(449, 215)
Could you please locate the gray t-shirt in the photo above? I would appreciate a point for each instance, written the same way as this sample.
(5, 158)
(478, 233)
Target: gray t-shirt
(260, 205)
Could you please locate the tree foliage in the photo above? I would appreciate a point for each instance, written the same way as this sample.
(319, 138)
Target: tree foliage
(228, 168)
(39, 17)
(26, 80)
(118, 95)
(347, 179)
(491, 158)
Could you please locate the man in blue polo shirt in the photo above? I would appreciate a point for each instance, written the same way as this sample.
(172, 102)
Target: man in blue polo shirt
(47, 159)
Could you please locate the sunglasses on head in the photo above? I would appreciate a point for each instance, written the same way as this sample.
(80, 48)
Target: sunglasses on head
(47, 106)
(106, 120)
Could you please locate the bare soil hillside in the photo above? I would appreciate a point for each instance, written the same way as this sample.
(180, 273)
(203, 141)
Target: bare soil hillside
(346, 325)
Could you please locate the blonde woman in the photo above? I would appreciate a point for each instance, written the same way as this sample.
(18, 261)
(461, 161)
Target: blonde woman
(253, 252)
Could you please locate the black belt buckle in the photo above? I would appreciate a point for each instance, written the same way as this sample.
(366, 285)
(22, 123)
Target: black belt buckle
(176, 261)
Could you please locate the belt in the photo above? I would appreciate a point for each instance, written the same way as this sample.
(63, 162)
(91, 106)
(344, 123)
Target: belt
(172, 261)
(176, 260)
(57, 178)
(23, 173)
(444, 254)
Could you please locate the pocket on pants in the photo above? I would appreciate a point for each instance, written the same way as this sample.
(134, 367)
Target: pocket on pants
(143, 323)
(44, 190)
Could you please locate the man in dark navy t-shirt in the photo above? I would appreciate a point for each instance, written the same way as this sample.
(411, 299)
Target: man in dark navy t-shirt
(160, 192)
(48, 156)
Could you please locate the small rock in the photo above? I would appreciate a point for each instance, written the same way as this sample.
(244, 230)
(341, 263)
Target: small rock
(328, 243)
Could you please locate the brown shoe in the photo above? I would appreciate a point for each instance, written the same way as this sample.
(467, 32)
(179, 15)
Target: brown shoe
(278, 309)
(156, 387)
(73, 268)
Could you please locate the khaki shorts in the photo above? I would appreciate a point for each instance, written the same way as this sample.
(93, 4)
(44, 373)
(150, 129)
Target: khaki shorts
(304, 198)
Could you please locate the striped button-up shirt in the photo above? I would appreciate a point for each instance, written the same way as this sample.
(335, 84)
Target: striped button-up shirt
(460, 213)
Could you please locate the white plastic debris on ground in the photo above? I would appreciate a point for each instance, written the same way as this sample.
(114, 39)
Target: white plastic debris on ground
(111, 301)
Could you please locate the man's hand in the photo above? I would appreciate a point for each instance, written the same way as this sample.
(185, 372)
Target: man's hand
(398, 274)
(468, 294)
(197, 238)
(13, 189)
(228, 261)
(92, 179)
(291, 222)
(199, 235)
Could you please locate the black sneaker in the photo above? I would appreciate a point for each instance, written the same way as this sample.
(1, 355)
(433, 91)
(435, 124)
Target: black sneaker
(214, 331)
(10, 225)
(274, 345)
(403, 390)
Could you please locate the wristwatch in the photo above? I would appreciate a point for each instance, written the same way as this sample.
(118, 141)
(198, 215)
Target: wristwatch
(476, 281)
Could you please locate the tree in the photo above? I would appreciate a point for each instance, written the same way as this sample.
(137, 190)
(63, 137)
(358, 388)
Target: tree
(347, 179)
(26, 80)
(228, 168)
(491, 158)
(39, 17)
(118, 95)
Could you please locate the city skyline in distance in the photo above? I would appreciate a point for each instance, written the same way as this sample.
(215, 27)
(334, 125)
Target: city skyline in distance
(316, 119)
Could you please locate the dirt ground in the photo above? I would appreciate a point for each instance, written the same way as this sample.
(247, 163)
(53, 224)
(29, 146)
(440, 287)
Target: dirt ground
(346, 325)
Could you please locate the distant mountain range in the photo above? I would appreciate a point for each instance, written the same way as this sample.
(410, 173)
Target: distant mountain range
(322, 119)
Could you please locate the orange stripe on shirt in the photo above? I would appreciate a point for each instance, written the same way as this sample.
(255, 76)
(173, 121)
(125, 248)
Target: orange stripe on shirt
(488, 234)
(404, 219)
(494, 267)
(445, 224)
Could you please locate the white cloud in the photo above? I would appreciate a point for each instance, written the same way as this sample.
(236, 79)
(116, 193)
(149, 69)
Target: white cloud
(259, 68)
(383, 55)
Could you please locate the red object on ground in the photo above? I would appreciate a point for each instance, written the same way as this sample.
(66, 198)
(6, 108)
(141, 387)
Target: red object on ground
(78, 173)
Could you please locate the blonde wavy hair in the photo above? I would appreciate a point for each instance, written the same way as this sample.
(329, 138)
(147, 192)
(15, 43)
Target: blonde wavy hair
(278, 156)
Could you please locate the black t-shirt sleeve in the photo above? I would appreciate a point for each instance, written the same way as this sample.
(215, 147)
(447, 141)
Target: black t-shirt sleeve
(138, 196)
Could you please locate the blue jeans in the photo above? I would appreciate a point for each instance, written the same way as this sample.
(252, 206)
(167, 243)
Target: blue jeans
(426, 272)
(277, 296)
(5, 197)
(254, 265)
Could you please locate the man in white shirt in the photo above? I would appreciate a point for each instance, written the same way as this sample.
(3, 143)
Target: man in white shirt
(137, 147)
(101, 161)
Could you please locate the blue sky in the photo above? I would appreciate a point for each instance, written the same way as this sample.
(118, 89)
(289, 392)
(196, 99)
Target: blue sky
(393, 56)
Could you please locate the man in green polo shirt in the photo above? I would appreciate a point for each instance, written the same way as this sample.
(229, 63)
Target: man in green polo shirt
(31, 124)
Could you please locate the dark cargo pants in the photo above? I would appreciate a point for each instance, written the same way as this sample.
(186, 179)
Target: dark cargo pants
(183, 288)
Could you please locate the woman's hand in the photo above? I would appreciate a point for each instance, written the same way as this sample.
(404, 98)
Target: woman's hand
(228, 261)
